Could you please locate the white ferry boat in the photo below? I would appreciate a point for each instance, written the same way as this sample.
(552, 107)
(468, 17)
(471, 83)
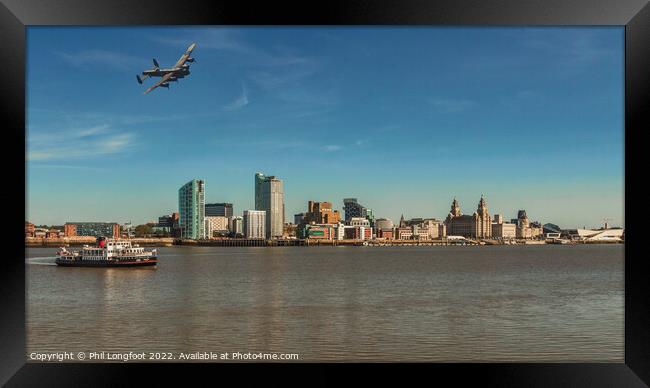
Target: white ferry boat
(108, 253)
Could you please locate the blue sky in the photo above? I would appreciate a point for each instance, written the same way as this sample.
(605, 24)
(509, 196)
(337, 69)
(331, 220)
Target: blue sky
(402, 118)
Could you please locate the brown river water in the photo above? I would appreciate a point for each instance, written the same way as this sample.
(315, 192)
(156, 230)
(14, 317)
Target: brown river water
(546, 303)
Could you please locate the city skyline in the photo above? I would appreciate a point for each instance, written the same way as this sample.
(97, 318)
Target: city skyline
(404, 119)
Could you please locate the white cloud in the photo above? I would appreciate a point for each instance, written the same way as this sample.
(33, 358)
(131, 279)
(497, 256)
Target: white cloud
(233, 41)
(90, 59)
(88, 143)
(240, 101)
(332, 148)
(93, 130)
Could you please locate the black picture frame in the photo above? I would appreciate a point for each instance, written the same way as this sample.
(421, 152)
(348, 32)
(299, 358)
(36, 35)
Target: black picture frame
(15, 15)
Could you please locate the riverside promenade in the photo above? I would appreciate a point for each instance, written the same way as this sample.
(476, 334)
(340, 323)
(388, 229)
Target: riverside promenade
(243, 242)
(83, 240)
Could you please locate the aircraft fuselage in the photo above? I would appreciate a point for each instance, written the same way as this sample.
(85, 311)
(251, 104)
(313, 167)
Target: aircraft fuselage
(180, 72)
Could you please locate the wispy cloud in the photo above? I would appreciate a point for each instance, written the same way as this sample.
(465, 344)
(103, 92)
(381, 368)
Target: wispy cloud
(91, 59)
(240, 101)
(233, 42)
(268, 80)
(76, 144)
(93, 130)
(451, 105)
(273, 70)
(332, 148)
(564, 51)
(583, 48)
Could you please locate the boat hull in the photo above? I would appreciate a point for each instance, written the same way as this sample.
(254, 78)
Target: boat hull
(111, 264)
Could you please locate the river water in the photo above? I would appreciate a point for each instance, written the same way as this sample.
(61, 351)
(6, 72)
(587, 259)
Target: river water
(462, 303)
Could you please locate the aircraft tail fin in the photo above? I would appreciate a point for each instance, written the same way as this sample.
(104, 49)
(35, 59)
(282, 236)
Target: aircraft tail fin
(155, 63)
(139, 79)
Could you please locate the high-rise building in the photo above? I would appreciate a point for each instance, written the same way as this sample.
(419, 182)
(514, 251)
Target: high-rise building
(321, 213)
(254, 223)
(219, 209)
(353, 208)
(191, 208)
(298, 218)
(269, 197)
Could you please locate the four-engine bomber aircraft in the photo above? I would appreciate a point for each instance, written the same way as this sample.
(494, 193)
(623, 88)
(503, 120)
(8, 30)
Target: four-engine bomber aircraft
(180, 70)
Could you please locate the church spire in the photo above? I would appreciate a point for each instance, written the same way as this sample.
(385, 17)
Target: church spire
(401, 221)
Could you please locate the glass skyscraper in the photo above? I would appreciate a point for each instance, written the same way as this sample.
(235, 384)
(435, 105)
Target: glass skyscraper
(191, 208)
(353, 208)
(269, 196)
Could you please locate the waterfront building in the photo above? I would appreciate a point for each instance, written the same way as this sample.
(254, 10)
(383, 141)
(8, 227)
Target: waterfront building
(339, 231)
(478, 225)
(321, 213)
(269, 197)
(299, 218)
(611, 234)
(318, 232)
(386, 234)
(216, 225)
(435, 228)
(191, 208)
(290, 230)
(29, 229)
(504, 230)
(127, 230)
(95, 229)
(420, 233)
(358, 232)
(167, 224)
(53, 233)
(219, 209)
(403, 233)
(411, 222)
(359, 221)
(254, 224)
(353, 208)
(551, 228)
(527, 229)
(236, 226)
(169, 221)
(383, 224)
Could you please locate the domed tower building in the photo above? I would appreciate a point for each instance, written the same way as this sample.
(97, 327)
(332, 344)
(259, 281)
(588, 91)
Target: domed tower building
(455, 210)
(478, 225)
(482, 219)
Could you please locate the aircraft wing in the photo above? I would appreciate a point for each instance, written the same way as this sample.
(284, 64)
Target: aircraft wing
(186, 55)
(163, 79)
